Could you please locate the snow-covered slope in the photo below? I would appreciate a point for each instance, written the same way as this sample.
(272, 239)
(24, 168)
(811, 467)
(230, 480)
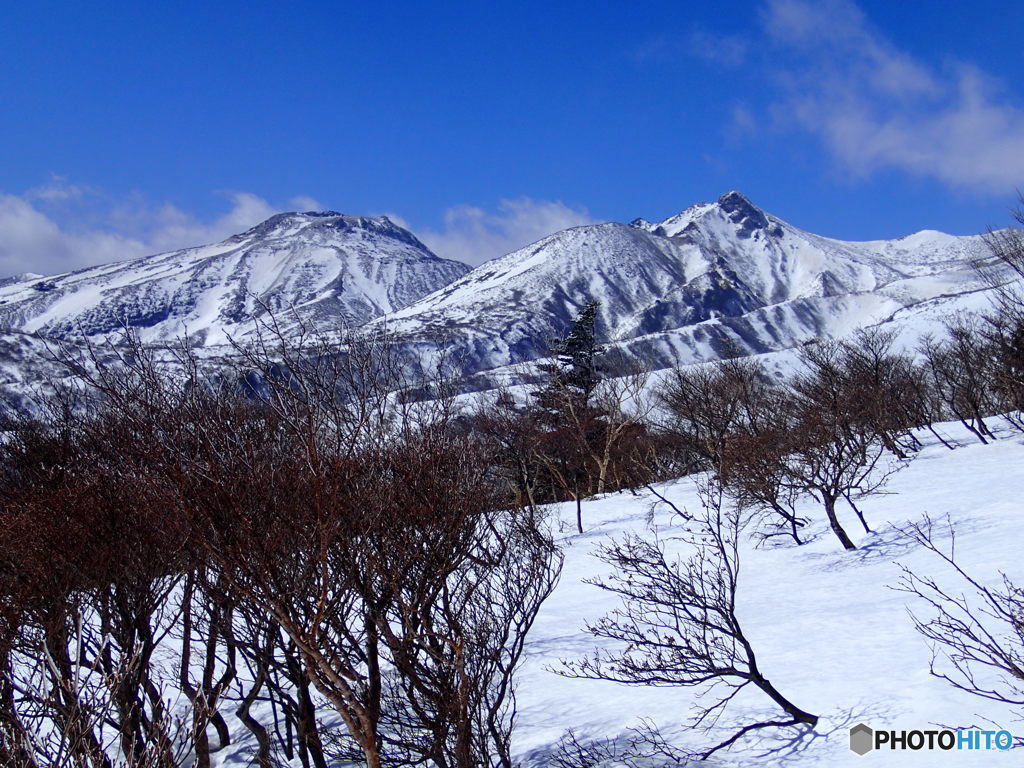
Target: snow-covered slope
(716, 277)
(333, 270)
(829, 631)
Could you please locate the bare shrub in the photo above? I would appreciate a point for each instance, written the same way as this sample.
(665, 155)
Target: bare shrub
(960, 368)
(976, 632)
(1003, 324)
(677, 623)
(302, 521)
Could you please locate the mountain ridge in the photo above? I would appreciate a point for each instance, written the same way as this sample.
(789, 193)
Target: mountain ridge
(716, 279)
(330, 268)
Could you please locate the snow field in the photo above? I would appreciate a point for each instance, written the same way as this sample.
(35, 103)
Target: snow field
(827, 627)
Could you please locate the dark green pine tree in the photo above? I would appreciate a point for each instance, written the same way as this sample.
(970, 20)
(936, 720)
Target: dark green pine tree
(577, 355)
(569, 420)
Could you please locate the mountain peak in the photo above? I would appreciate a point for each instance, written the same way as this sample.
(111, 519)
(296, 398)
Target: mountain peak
(734, 197)
(323, 266)
(292, 223)
(733, 205)
(743, 213)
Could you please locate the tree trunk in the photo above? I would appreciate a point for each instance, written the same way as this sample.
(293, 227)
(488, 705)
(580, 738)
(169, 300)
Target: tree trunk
(833, 521)
(860, 515)
(372, 755)
(789, 707)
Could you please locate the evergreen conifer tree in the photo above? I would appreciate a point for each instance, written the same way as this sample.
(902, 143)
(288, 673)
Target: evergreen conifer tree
(566, 408)
(575, 371)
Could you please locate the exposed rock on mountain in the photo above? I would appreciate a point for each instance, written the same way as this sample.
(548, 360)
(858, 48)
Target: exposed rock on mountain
(333, 270)
(718, 278)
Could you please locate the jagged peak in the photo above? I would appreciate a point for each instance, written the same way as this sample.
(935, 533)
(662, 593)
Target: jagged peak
(743, 213)
(735, 198)
(733, 206)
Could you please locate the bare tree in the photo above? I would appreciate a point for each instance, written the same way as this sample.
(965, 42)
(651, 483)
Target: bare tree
(890, 386)
(960, 367)
(835, 446)
(514, 435)
(733, 421)
(976, 632)
(708, 404)
(207, 666)
(678, 624)
(457, 635)
(1003, 324)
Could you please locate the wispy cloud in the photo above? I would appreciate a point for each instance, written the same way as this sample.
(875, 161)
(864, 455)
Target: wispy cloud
(474, 235)
(59, 189)
(726, 50)
(60, 226)
(876, 107)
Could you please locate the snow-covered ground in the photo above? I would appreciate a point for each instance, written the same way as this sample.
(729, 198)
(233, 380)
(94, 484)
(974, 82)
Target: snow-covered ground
(829, 630)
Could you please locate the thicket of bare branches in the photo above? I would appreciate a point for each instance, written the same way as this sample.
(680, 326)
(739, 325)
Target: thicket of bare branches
(287, 536)
(1003, 325)
(845, 432)
(960, 366)
(835, 430)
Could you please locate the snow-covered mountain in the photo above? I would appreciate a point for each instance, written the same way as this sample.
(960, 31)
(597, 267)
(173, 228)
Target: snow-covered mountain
(718, 277)
(333, 270)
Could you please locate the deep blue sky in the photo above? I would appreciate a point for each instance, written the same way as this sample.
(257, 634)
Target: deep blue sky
(858, 122)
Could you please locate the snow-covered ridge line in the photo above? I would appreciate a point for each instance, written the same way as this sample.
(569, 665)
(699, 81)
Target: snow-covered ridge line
(331, 269)
(718, 278)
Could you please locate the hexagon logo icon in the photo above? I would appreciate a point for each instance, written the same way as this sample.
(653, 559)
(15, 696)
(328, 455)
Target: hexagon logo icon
(862, 739)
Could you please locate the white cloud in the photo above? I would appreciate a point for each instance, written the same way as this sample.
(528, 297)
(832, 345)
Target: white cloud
(875, 107)
(304, 203)
(60, 226)
(474, 235)
(30, 241)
